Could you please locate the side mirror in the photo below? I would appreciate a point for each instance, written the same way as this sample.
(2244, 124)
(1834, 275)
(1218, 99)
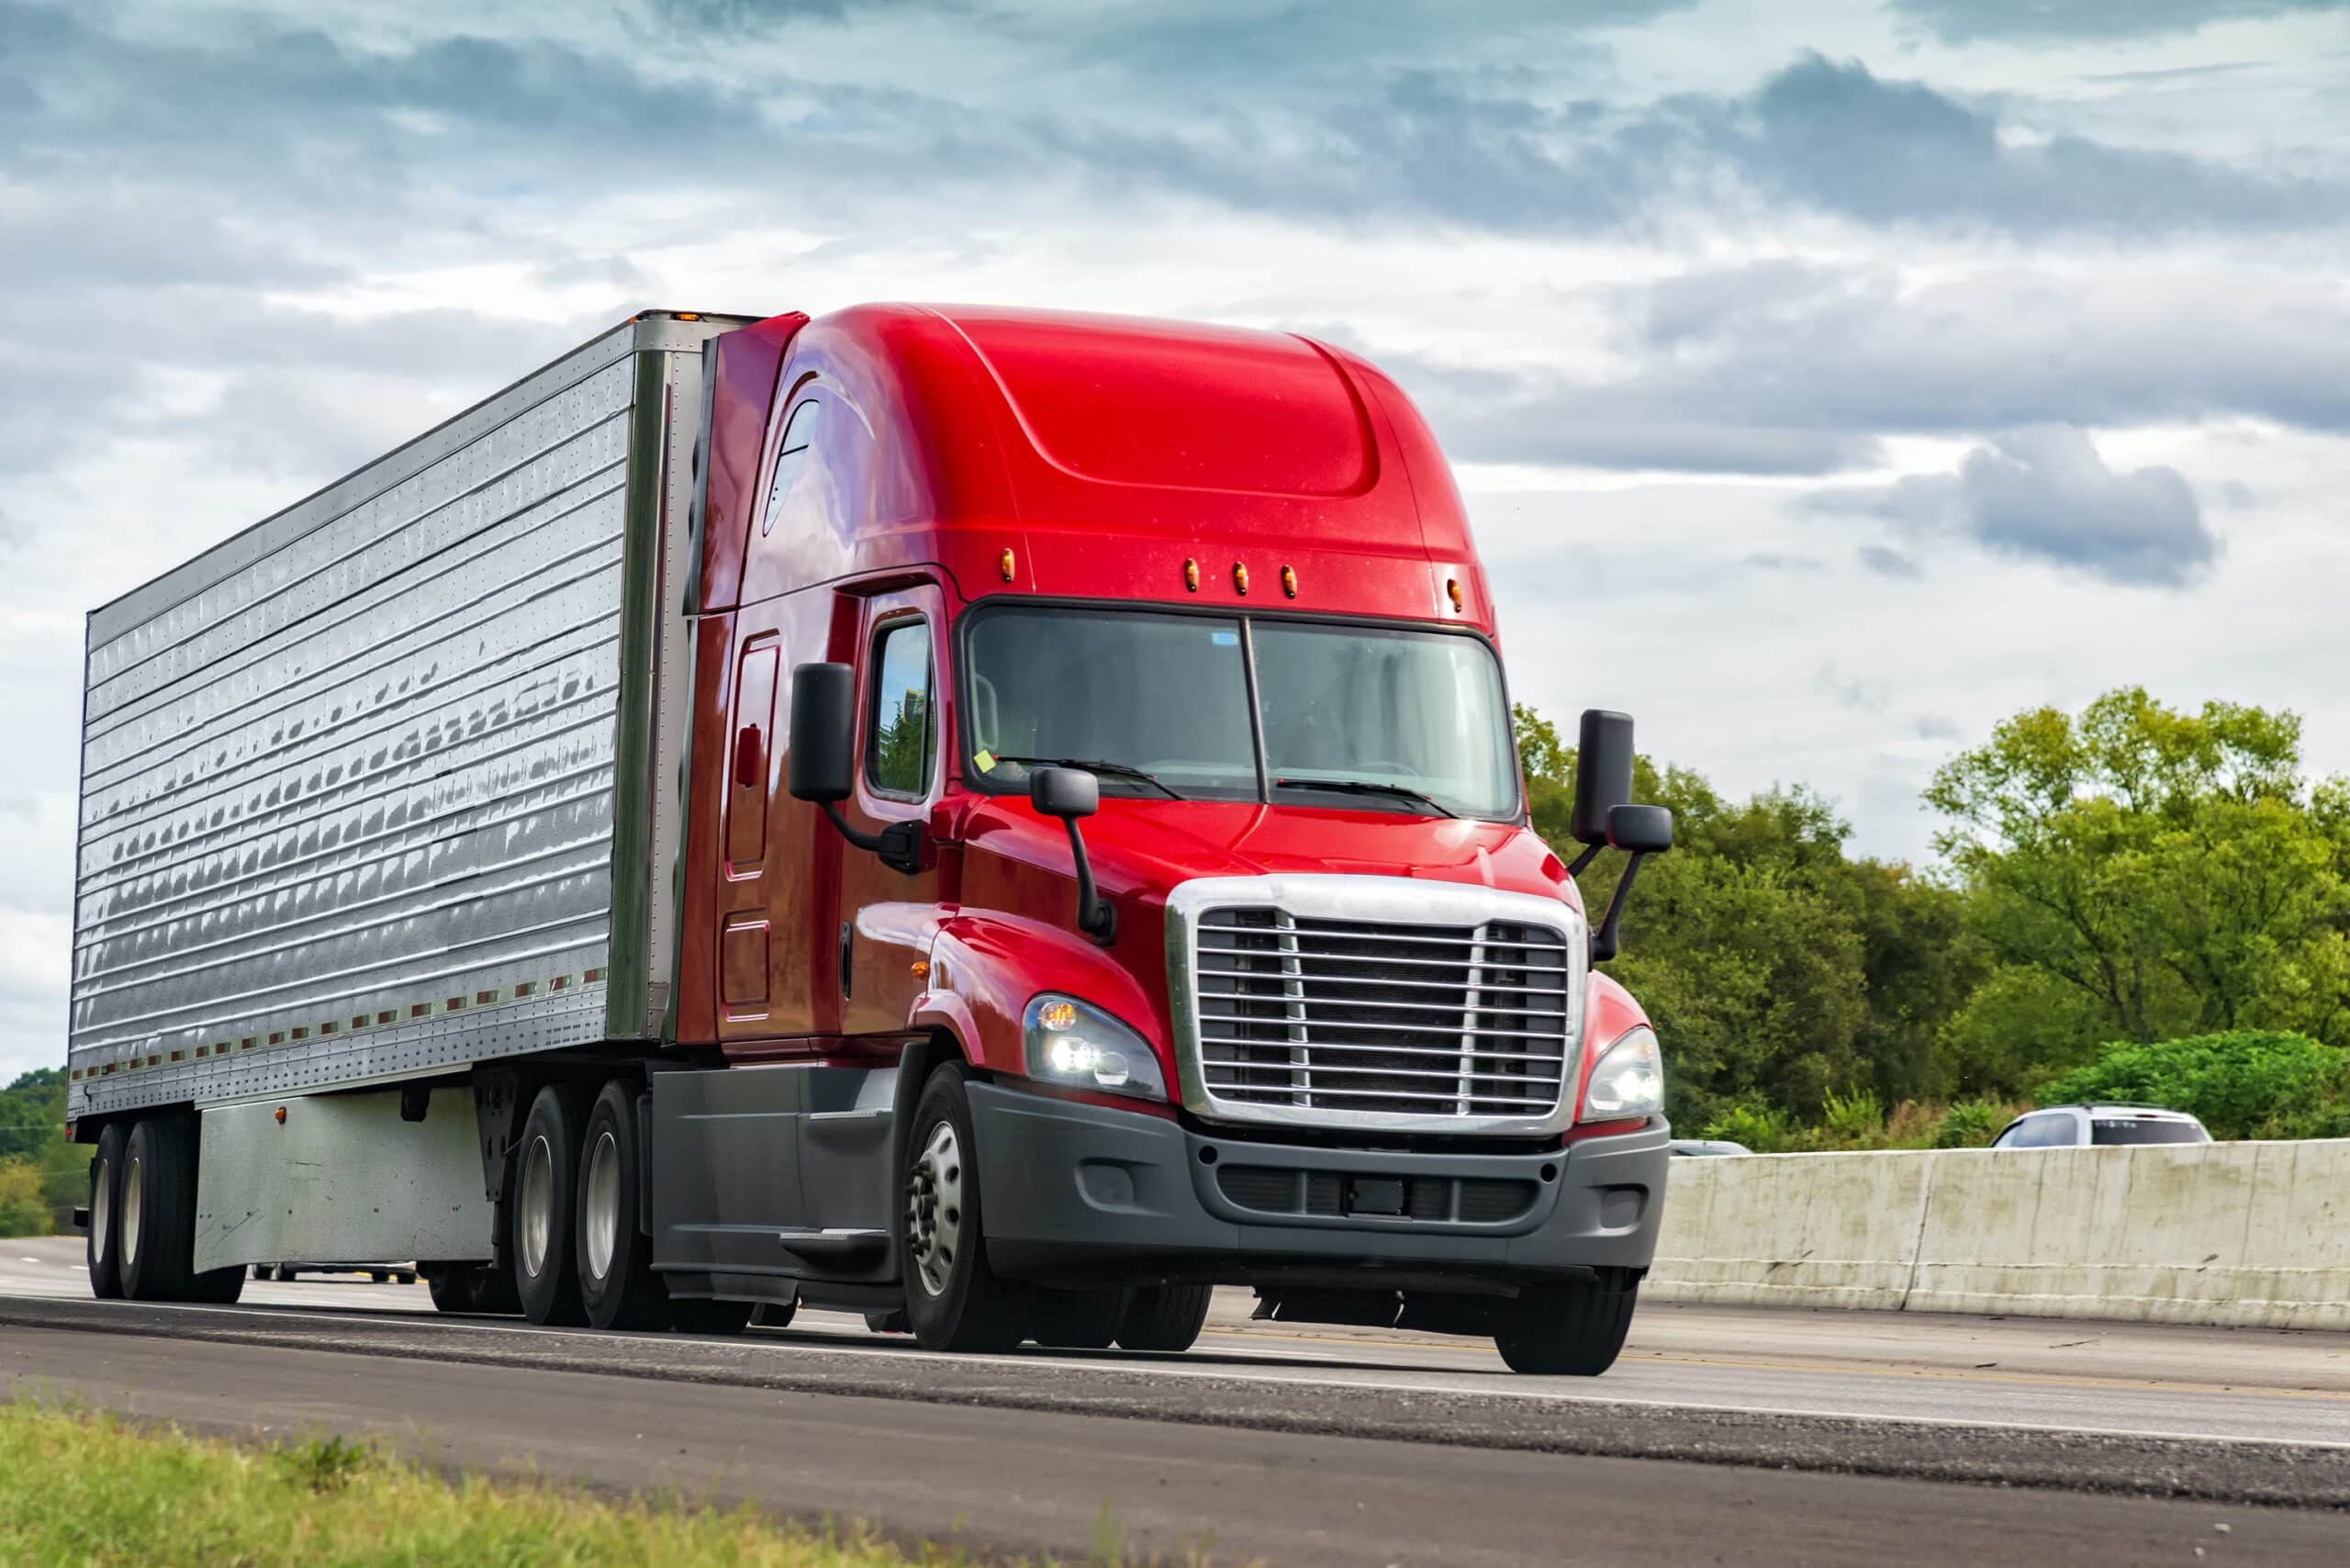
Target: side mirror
(822, 764)
(824, 733)
(1603, 773)
(1071, 793)
(1639, 830)
(1064, 793)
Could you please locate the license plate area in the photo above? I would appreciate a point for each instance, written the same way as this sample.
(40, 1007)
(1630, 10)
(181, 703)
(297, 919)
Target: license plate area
(1374, 1195)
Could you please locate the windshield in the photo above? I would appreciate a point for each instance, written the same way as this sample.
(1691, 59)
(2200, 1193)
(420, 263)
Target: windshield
(1363, 717)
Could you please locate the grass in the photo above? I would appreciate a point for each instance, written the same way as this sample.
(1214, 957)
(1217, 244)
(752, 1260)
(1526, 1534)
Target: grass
(84, 1488)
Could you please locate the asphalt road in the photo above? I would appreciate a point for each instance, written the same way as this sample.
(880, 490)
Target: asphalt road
(1822, 1438)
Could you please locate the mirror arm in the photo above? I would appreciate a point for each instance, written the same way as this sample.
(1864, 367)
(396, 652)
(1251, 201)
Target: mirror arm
(1590, 853)
(899, 844)
(1095, 916)
(1604, 940)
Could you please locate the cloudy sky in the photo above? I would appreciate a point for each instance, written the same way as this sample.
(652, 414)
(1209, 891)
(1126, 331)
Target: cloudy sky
(1828, 380)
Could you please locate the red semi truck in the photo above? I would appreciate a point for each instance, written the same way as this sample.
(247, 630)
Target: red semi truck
(996, 819)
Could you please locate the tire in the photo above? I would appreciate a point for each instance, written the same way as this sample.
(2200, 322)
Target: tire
(286, 1273)
(494, 1291)
(542, 1228)
(453, 1287)
(1569, 1330)
(1165, 1319)
(953, 1300)
(379, 1276)
(261, 1271)
(1078, 1320)
(403, 1276)
(617, 1285)
(889, 1322)
(777, 1314)
(157, 1210)
(219, 1287)
(700, 1314)
(104, 1245)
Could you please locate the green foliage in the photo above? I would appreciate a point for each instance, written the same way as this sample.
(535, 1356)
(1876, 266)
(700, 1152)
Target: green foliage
(88, 1489)
(24, 1211)
(1853, 1118)
(2244, 1083)
(1760, 1128)
(1971, 1123)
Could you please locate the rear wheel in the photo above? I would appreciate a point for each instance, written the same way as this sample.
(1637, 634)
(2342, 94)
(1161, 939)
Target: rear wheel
(953, 1300)
(104, 1247)
(1167, 1319)
(1078, 1320)
(156, 1218)
(452, 1286)
(617, 1285)
(1567, 1330)
(542, 1216)
(286, 1274)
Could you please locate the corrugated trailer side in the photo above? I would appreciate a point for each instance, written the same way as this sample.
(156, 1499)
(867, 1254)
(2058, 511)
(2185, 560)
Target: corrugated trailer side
(387, 784)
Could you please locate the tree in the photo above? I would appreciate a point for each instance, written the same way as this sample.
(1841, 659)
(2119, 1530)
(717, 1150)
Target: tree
(2140, 873)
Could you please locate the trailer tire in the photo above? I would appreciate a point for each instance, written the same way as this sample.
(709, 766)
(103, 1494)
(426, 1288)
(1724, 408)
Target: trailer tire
(617, 1285)
(1567, 1330)
(219, 1287)
(104, 1245)
(1165, 1319)
(157, 1200)
(1086, 1319)
(546, 1174)
(452, 1286)
(953, 1300)
(284, 1273)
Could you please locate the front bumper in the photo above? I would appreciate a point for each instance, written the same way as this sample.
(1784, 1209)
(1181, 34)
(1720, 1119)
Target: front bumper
(1074, 1192)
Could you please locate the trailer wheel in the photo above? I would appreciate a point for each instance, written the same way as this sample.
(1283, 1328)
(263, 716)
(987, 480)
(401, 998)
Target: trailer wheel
(1568, 1330)
(157, 1205)
(104, 1247)
(953, 1300)
(1079, 1319)
(617, 1285)
(545, 1185)
(1167, 1319)
(452, 1286)
(219, 1287)
(286, 1273)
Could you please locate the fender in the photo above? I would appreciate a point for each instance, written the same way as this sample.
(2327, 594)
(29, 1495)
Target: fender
(985, 966)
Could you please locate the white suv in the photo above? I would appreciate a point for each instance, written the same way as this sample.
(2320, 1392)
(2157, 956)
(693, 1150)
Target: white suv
(2080, 1127)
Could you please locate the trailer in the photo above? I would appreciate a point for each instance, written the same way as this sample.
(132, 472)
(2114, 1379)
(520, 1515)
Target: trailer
(996, 819)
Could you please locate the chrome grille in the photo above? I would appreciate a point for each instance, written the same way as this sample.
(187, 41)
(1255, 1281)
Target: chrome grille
(1382, 1018)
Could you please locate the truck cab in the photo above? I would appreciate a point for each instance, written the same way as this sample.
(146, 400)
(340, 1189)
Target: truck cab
(1106, 868)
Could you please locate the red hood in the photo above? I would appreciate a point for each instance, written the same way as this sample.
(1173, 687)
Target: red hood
(1144, 847)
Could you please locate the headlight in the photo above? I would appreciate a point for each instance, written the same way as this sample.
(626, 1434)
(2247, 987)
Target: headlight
(1076, 1043)
(1629, 1080)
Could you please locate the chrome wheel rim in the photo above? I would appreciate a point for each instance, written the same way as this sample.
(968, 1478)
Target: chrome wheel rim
(934, 1208)
(601, 1229)
(102, 1207)
(134, 1182)
(537, 1206)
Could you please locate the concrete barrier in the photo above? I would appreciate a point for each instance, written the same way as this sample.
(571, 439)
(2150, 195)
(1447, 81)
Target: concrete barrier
(2253, 1235)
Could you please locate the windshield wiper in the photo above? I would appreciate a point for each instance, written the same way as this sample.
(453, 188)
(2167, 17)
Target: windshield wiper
(1366, 787)
(1115, 769)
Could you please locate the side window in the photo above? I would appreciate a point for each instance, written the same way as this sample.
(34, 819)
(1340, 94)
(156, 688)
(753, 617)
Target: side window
(790, 459)
(899, 727)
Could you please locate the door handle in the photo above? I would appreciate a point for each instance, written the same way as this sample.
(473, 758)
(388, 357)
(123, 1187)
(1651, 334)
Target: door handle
(748, 758)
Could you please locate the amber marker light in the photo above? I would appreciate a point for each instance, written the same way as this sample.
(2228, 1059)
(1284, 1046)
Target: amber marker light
(1005, 562)
(281, 1116)
(1239, 578)
(1452, 590)
(1058, 1016)
(1192, 576)
(1289, 581)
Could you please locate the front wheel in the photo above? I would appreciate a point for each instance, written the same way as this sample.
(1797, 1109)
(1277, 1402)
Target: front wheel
(953, 1300)
(1567, 1330)
(1165, 1319)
